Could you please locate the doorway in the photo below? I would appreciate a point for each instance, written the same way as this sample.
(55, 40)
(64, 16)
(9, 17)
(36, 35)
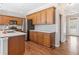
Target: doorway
(72, 26)
(60, 17)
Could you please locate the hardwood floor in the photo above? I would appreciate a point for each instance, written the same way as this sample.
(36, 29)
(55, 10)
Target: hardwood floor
(70, 47)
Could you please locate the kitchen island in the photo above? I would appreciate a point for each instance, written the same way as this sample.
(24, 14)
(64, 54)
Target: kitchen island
(12, 43)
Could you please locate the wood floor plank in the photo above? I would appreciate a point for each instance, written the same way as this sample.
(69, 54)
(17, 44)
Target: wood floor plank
(70, 47)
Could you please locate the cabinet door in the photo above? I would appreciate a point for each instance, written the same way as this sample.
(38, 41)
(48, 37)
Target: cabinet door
(16, 45)
(38, 18)
(40, 38)
(43, 17)
(53, 40)
(29, 17)
(47, 40)
(6, 19)
(34, 18)
(33, 36)
(0, 19)
(19, 21)
(51, 15)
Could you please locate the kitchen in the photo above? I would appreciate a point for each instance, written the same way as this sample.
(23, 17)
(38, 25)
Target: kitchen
(39, 25)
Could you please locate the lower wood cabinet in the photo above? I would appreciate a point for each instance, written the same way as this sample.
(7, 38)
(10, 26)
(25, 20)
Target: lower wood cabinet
(16, 45)
(46, 39)
(49, 39)
(33, 36)
(40, 37)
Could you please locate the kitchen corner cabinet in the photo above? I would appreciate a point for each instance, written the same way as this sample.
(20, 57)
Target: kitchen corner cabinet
(46, 16)
(45, 39)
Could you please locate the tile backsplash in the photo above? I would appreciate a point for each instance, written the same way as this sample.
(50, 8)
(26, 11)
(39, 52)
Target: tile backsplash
(4, 26)
(46, 27)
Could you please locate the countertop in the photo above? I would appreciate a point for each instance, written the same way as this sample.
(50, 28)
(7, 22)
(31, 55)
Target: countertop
(45, 31)
(15, 33)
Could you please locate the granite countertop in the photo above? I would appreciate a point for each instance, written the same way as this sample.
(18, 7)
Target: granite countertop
(15, 33)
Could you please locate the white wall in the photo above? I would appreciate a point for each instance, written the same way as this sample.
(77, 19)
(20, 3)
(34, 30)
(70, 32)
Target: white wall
(63, 21)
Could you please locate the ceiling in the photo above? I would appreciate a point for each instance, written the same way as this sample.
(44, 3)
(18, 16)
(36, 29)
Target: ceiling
(21, 9)
(18, 9)
(72, 8)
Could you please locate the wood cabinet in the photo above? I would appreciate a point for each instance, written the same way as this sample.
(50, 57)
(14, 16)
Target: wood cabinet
(38, 18)
(46, 16)
(40, 38)
(19, 21)
(51, 16)
(33, 36)
(30, 17)
(5, 19)
(43, 17)
(16, 45)
(49, 39)
(45, 39)
(34, 20)
(0, 19)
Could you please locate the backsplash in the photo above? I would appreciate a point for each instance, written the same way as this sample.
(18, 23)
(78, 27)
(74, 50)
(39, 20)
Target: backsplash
(45, 27)
(4, 26)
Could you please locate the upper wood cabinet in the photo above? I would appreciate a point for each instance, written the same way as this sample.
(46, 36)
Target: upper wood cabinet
(34, 18)
(46, 16)
(0, 19)
(19, 21)
(38, 18)
(43, 17)
(30, 17)
(5, 19)
(50, 15)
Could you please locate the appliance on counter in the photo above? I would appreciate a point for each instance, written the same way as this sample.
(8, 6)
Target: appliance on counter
(30, 26)
(12, 22)
(13, 25)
